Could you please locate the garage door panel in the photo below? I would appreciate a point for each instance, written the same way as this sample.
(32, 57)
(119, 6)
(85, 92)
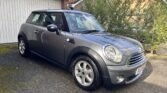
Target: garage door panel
(15, 12)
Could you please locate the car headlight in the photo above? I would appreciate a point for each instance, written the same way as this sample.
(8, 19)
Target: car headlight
(112, 53)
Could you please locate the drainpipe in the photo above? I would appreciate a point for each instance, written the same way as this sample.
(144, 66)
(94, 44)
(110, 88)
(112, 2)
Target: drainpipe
(72, 6)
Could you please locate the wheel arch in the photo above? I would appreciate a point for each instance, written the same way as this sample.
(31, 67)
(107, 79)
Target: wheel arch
(21, 34)
(93, 55)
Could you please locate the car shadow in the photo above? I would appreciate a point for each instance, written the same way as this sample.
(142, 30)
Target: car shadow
(44, 63)
(34, 68)
(142, 87)
(53, 67)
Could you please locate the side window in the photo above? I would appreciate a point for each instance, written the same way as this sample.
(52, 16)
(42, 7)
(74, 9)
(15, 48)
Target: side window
(55, 18)
(36, 18)
(47, 20)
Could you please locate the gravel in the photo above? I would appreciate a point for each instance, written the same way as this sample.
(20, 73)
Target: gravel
(35, 75)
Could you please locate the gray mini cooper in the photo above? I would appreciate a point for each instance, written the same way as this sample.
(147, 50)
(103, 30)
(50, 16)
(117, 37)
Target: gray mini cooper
(76, 41)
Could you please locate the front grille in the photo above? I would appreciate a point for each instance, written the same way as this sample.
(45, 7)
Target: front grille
(135, 58)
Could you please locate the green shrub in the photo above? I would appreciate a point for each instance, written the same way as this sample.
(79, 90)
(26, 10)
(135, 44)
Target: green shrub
(159, 29)
(144, 21)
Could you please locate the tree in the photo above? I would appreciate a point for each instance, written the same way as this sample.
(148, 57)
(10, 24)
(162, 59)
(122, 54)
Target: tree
(159, 30)
(144, 20)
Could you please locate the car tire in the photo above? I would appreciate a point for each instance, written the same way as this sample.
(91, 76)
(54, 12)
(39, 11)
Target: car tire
(86, 73)
(23, 47)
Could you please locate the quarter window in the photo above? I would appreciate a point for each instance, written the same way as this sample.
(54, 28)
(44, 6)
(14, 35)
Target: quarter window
(36, 19)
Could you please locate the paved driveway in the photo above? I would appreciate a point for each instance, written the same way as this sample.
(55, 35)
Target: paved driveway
(35, 75)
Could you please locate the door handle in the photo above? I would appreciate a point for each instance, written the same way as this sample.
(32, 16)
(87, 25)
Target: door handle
(36, 31)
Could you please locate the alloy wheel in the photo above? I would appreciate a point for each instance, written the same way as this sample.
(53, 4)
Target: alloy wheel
(84, 73)
(22, 47)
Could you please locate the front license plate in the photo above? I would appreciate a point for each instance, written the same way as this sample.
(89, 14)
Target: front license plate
(139, 70)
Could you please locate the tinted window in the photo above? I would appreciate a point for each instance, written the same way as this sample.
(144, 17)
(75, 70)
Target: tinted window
(35, 18)
(55, 18)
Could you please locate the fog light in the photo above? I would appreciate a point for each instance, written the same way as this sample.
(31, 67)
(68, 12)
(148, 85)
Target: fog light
(120, 79)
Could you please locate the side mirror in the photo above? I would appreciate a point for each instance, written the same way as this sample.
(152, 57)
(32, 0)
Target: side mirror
(53, 28)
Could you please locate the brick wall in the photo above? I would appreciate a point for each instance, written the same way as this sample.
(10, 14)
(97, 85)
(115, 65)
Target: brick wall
(64, 4)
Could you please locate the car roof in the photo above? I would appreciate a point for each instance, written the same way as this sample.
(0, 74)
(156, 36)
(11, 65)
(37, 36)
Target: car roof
(60, 10)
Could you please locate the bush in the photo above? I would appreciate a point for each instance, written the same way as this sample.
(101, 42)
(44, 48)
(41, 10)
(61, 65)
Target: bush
(144, 20)
(159, 30)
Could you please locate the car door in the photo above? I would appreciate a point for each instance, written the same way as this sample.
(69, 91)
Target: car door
(34, 31)
(53, 43)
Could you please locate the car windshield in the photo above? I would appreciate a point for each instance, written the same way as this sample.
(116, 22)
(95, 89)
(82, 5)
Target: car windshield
(82, 22)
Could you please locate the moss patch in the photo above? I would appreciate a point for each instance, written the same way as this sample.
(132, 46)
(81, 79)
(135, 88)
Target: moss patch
(7, 83)
(5, 72)
(5, 48)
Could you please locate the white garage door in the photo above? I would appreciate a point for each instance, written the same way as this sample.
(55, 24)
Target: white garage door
(15, 12)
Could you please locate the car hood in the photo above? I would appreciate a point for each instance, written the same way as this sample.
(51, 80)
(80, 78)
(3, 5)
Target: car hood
(121, 42)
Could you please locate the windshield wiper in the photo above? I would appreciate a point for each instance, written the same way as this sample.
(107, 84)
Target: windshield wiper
(87, 31)
(91, 31)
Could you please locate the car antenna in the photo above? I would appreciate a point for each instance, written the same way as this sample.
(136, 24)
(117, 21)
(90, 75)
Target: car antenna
(72, 6)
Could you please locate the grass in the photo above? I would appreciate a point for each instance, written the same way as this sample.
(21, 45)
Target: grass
(5, 48)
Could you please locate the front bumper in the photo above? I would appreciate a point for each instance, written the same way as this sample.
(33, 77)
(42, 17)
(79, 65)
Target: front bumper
(126, 74)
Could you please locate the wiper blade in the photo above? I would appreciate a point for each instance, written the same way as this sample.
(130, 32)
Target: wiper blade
(91, 31)
(87, 31)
